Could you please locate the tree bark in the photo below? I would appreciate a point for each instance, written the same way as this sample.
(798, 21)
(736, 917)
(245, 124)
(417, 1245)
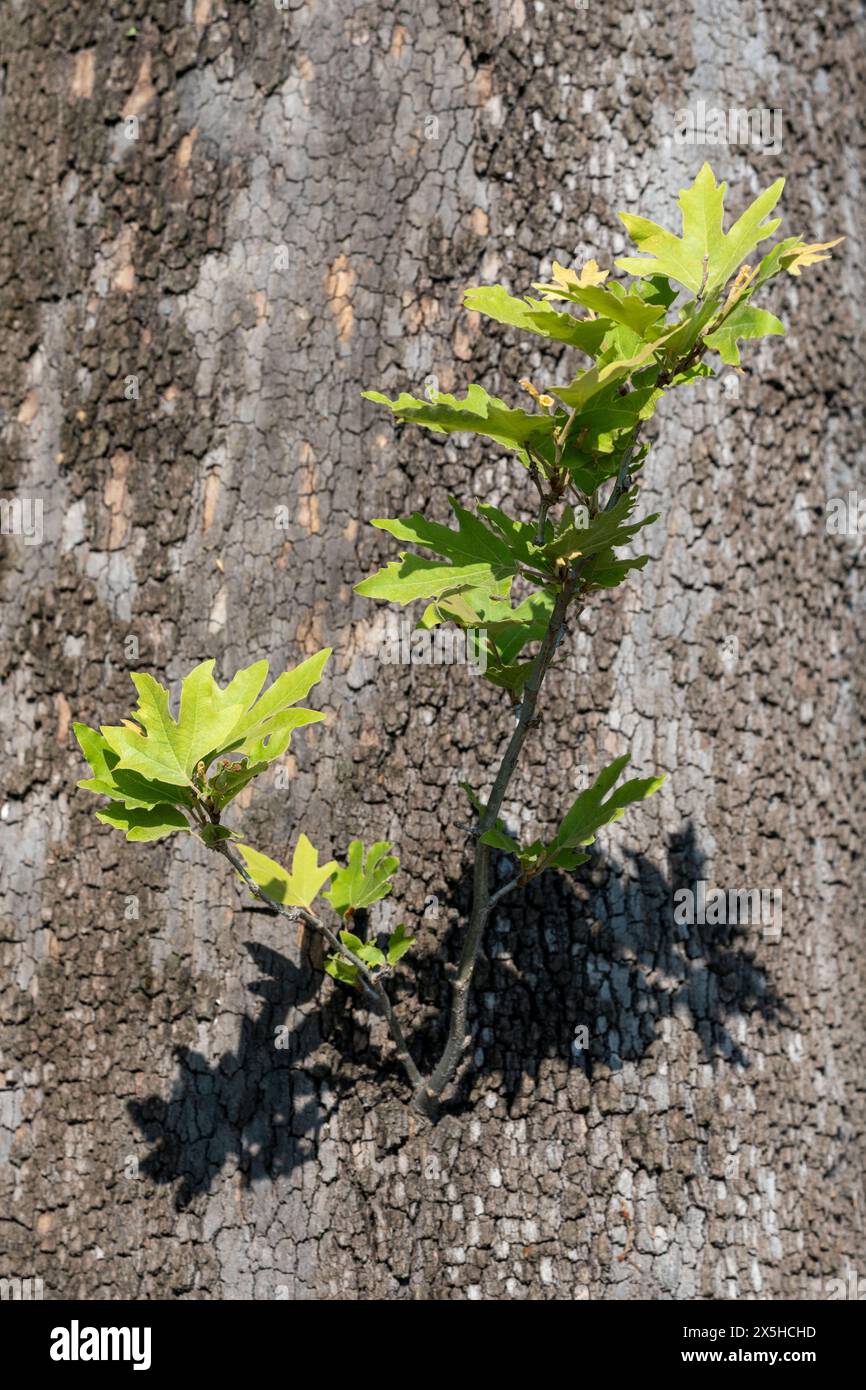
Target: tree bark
(255, 214)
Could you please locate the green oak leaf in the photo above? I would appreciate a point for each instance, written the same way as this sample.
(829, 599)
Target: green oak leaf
(150, 823)
(474, 556)
(604, 572)
(530, 436)
(592, 810)
(212, 721)
(500, 839)
(655, 289)
(605, 531)
(744, 321)
(704, 245)
(587, 384)
(518, 536)
(791, 254)
(162, 748)
(342, 970)
(694, 318)
(534, 316)
(154, 759)
(263, 730)
(372, 956)
(477, 413)
(366, 951)
(364, 879)
(603, 424)
(509, 675)
(225, 784)
(612, 302)
(412, 577)
(131, 789)
(296, 889)
(506, 629)
(776, 259)
(399, 942)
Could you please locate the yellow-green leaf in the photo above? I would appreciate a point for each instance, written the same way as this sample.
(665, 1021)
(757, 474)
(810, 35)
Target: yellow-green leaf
(705, 256)
(296, 889)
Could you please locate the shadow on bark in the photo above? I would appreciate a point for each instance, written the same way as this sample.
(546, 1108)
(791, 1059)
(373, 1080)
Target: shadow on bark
(585, 970)
(589, 969)
(253, 1104)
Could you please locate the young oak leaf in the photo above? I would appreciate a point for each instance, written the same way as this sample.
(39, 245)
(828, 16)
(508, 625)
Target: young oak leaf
(144, 823)
(399, 942)
(705, 256)
(129, 789)
(808, 255)
(474, 556)
(212, 835)
(521, 431)
(581, 823)
(210, 722)
(534, 316)
(476, 413)
(590, 812)
(613, 304)
(342, 970)
(490, 615)
(264, 730)
(145, 810)
(363, 881)
(165, 749)
(272, 715)
(746, 322)
(500, 839)
(565, 280)
(366, 951)
(605, 531)
(792, 255)
(589, 383)
(298, 888)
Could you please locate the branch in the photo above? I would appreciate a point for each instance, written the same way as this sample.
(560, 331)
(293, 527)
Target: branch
(426, 1095)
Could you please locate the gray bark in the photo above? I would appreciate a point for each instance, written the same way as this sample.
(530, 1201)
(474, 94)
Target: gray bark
(309, 193)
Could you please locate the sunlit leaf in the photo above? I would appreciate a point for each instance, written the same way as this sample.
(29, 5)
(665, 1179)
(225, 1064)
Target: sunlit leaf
(364, 879)
(298, 888)
(705, 256)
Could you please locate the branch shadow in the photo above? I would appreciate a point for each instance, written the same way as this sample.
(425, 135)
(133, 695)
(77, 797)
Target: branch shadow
(597, 951)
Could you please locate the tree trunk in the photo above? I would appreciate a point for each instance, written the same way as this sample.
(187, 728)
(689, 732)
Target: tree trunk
(222, 226)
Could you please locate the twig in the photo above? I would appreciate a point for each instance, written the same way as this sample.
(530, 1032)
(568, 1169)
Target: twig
(373, 985)
(545, 499)
(623, 481)
(516, 882)
(427, 1094)
(542, 520)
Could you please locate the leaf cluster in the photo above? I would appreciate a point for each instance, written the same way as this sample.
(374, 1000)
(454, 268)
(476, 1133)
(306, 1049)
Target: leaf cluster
(163, 773)
(690, 303)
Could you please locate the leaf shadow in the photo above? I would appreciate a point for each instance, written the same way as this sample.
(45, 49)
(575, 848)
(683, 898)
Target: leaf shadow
(592, 968)
(598, 950)
(255, 1104)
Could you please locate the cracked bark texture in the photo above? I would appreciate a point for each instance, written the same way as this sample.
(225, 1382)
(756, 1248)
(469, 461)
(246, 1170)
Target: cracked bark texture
(309, 192)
